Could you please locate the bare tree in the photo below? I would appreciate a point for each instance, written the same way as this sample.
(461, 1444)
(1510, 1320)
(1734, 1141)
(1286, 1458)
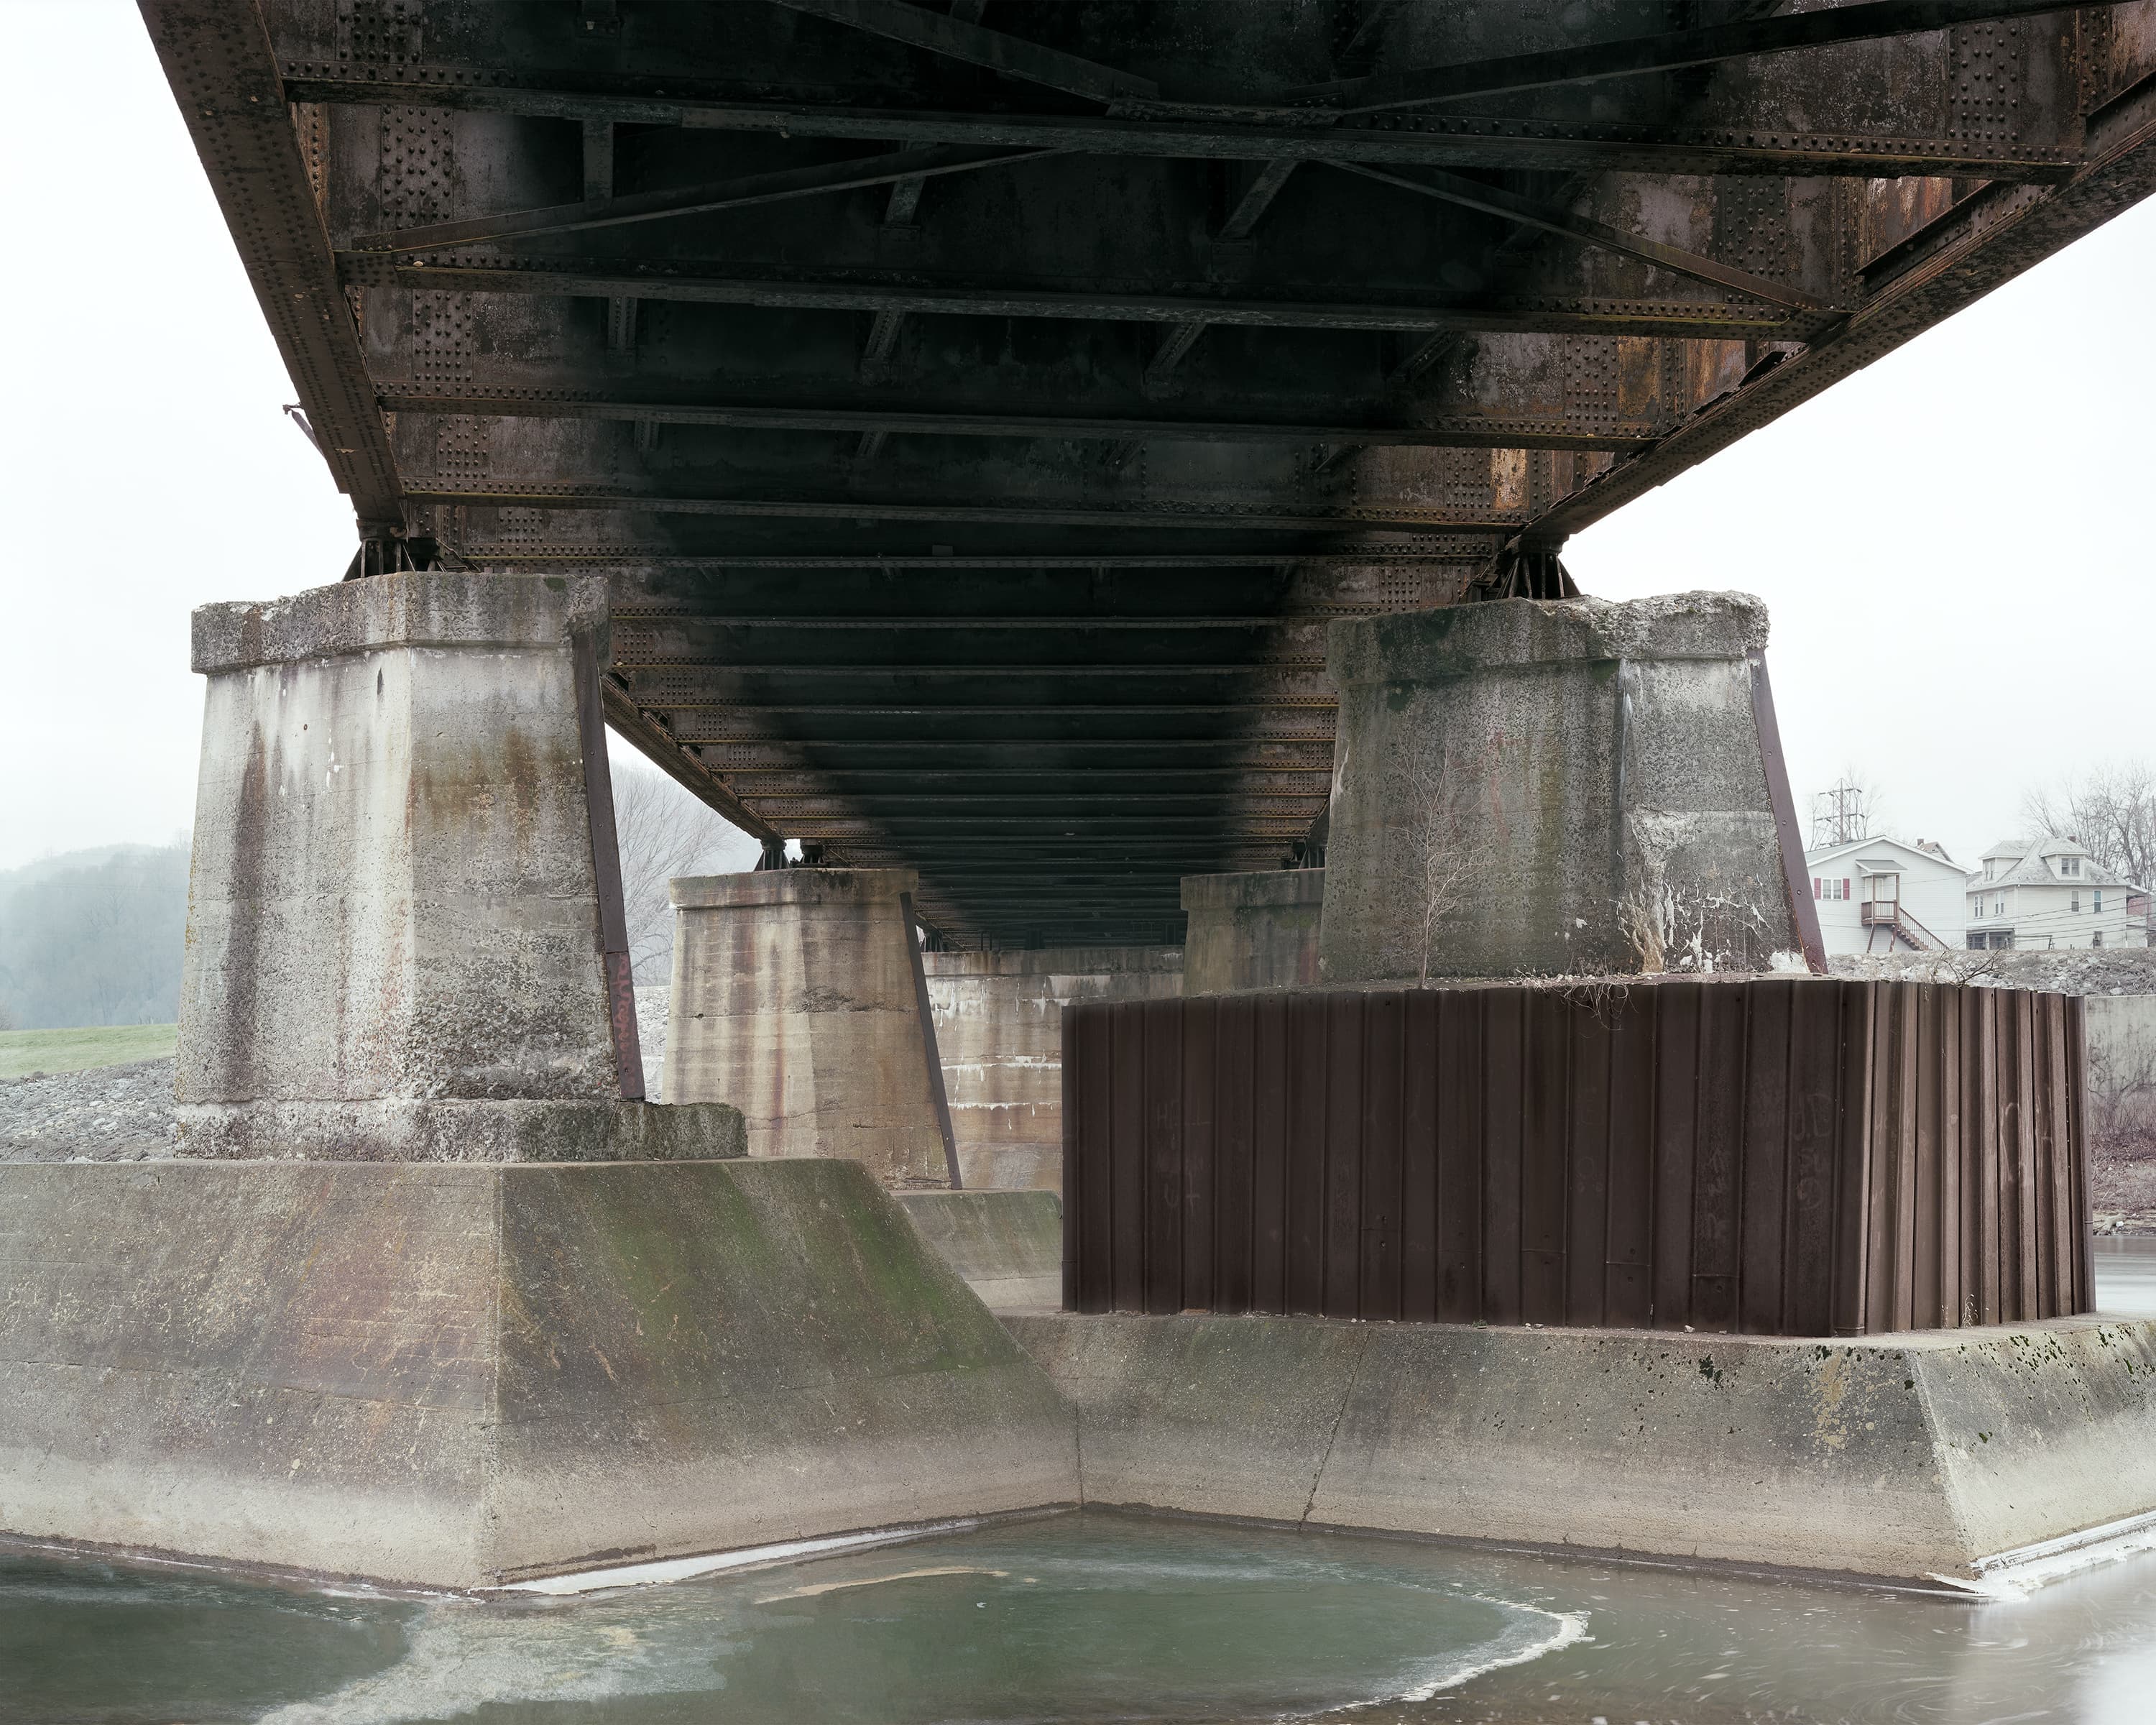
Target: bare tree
(663, 833)
(2112, 810)
(1447, 844)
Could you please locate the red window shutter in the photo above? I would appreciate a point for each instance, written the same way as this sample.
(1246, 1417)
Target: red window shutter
(1845, 888)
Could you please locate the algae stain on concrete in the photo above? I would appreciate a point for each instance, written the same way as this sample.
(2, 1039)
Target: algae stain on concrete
(1830, 1389)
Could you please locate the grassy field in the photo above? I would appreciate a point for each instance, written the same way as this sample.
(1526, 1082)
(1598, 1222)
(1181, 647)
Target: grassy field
(23, 1052)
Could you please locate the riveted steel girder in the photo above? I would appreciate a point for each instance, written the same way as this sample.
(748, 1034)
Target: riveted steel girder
(980, 418)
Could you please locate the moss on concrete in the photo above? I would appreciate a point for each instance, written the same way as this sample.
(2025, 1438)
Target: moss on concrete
(459, 1374)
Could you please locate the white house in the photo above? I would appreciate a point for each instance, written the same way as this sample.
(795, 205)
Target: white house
(2050, 893)
(1886, 895)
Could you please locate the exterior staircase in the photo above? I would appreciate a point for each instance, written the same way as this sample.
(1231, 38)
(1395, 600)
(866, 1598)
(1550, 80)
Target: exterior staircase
(1900, 926)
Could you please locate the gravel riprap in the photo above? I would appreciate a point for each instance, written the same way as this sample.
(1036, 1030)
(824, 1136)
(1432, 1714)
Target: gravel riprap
(107, 1114)
(125, 1113)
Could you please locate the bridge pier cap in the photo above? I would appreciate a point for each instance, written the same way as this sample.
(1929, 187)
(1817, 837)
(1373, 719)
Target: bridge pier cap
(396, 945)
(795, 997)
(1554, 788)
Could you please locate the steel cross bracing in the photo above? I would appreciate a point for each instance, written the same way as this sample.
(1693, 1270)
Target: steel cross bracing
(980, 408)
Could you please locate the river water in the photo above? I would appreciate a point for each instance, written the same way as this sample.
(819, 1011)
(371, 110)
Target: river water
(1096, 1617)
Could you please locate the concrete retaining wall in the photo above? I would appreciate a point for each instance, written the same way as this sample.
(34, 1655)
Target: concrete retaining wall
(1902, 1456)
(998, 1030)
(460, 1375)
(1009, 1245)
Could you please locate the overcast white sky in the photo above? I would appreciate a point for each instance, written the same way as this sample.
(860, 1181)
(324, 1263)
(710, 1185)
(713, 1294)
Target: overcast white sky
(1951, 542)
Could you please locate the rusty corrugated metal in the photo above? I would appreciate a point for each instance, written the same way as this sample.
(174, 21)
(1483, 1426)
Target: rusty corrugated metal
(1772, 1155)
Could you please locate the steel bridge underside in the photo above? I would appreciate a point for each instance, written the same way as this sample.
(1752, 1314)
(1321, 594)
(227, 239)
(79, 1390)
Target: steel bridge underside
(981, 410)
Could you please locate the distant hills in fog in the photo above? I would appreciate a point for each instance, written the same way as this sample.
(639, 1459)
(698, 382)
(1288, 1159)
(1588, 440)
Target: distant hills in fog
(93, 937)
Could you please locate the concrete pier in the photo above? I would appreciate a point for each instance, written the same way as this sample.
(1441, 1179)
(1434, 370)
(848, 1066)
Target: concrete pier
(397, 940)
(1572, 787)
(795, 999)
(428, 1303)
(1253, 930)
(1897, 1456)
(998, 1029)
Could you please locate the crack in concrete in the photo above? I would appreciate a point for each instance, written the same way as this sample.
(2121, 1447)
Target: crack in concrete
(1346, 1395)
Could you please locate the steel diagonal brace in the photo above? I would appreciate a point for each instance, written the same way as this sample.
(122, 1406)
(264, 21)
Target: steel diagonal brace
(1668, 51)
(956, 38)
(1494, 200)
(846, 176)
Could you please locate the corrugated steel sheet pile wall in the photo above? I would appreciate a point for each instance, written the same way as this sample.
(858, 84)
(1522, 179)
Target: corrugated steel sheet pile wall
(1772, 1155)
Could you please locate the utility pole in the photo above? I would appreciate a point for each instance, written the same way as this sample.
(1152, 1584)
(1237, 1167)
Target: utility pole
(1841, 815)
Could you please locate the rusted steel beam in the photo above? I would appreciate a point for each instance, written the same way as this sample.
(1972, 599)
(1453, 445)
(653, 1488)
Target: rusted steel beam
(965, 832)
(1020, 783)
(697, 200)
(1668, 51)
(1582, 315)
(606, 869)
(746, 757)
(1804, 913)
(217, 58)
(1380, 556)
(569, 495)
(1482, 141)
(1032, 806)
(640, 632)
(1991, 237)
(955, 39)
(716, 681)
(973, 715)
(1553, 219)
(1449, 431)
(664, 752)
(926, 1020)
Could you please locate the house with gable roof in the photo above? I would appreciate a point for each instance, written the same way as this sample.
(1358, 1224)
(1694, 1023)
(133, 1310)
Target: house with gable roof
(2048, 892)
(1887, 896)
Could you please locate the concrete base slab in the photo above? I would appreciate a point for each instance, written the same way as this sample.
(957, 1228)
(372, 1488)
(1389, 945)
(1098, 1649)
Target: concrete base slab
(461, 1376)
(1904, 1456)
(1009, 1245)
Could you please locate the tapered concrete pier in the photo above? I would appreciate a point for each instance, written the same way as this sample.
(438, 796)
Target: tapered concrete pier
(403, 931)
(1561, 788)
(795, 997)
